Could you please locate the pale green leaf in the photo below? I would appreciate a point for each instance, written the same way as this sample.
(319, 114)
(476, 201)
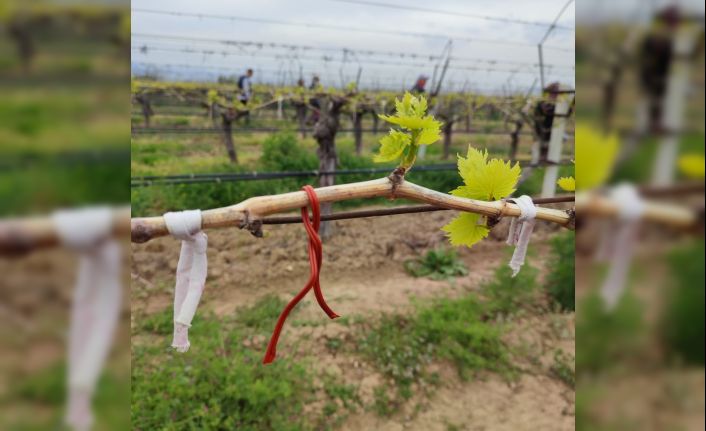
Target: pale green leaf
(567, 183)
(500, 178)
(392, 146)
(486, 179)
(466, 230)
(471, 167)
(429, 136)
(692, 165)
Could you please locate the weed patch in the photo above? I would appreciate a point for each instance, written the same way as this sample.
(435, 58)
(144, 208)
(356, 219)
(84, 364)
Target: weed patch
(438, 264)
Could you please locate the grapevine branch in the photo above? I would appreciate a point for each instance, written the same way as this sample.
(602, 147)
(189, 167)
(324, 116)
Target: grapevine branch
(249, 214)
(20, 236)
(595, 204)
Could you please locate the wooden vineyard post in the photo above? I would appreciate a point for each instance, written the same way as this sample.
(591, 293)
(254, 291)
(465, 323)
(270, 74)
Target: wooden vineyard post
(280, 100)
(325, 131)
(674, 104)
(556, 140)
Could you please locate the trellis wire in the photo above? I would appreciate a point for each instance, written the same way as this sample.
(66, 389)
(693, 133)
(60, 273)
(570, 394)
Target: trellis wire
(150, 180)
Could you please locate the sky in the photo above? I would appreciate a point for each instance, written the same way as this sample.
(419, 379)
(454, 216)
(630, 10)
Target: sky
(488, 53)
(630, 11)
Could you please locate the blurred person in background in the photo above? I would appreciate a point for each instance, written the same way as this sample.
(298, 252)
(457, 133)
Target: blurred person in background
(315, 87)
(419, 85)
(543, 118)
(654, 63)
(245, 93)
(315, 83)
(245, 87)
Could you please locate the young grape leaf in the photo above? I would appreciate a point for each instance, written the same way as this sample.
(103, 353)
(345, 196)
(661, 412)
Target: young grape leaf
(419, 129)
(466, 230)
(486, 180)
(692, 165)
(483, 180)
(596, 155)
(392, 146)
(567, 183)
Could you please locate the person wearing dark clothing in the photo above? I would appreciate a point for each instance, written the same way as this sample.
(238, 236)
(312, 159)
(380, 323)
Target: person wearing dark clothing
(654, 61)
(419, 85)
(245, 87)
(543, 118)
(313, 101)
(245, 92)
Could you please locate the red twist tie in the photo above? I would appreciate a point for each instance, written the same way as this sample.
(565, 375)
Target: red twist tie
(315, 263)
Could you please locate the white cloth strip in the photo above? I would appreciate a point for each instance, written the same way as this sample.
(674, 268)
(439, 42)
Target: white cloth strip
(192, 269)
(630, 210)
(521, 231)
(96, 304)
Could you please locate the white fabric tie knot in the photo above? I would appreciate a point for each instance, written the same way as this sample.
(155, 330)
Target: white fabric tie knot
(520, 232)
(84, 228)
(190, 274)
(619, 241)
(95, 309)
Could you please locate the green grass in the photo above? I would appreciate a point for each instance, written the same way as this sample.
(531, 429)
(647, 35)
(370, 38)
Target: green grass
(560, 282)
(261, 316)
(402, 347)
(507, 295)
(40, 123)
(638, 167)
(438, 264)
(682, 326)
(221, 384)
(459, 330)
(563, 368)
(47, 389)
(607, 337)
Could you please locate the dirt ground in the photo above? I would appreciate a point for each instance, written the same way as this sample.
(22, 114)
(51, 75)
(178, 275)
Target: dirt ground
(362, 276)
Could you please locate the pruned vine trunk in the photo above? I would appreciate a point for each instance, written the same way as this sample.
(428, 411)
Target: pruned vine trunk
(146, 107)
(227, 125)
(515, 139)
(301, 117)
(25, 45)
(448, 134)
(211, 112)
(358, 132)
(325, 131)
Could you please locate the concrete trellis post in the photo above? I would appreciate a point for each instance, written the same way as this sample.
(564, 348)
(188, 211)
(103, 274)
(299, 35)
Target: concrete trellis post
(674, 103)
(556, 141)
(280, 99)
